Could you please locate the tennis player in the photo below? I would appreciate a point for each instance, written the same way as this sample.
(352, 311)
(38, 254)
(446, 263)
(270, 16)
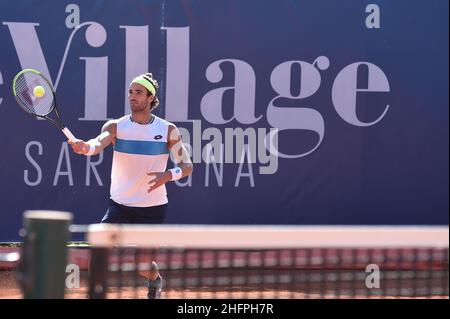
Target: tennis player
(142, 144)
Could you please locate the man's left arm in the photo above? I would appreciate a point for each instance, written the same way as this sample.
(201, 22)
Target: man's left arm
(183, 164)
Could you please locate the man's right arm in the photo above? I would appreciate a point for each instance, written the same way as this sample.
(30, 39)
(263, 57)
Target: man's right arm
(96, 145)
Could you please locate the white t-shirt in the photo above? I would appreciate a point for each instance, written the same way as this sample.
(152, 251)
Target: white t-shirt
(139, 149)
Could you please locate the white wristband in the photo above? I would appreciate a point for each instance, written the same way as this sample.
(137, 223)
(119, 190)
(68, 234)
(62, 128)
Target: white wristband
(177, 173)
(91, 148)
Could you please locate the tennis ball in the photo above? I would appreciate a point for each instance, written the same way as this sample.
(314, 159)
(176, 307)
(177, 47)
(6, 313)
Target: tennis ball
(38, 91)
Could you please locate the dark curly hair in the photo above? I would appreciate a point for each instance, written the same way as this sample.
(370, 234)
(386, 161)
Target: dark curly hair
(155, 102)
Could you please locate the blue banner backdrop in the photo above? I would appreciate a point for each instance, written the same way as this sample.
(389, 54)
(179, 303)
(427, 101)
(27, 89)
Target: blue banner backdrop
(352, 95)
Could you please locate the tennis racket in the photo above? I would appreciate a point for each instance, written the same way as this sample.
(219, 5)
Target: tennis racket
(35, 95)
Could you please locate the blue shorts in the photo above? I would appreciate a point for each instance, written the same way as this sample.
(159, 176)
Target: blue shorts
(120, 214)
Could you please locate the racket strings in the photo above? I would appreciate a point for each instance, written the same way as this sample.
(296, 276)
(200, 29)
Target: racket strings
(24, 86)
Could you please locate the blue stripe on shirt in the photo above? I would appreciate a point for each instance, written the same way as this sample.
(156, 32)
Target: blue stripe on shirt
(141, 147)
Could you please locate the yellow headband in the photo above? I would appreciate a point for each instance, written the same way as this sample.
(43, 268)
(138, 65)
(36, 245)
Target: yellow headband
(146, 83)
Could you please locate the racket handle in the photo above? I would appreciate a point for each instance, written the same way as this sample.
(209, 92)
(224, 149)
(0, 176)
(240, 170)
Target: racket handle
(69, 134)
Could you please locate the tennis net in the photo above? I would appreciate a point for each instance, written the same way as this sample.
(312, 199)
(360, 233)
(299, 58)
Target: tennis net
(269, 261)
